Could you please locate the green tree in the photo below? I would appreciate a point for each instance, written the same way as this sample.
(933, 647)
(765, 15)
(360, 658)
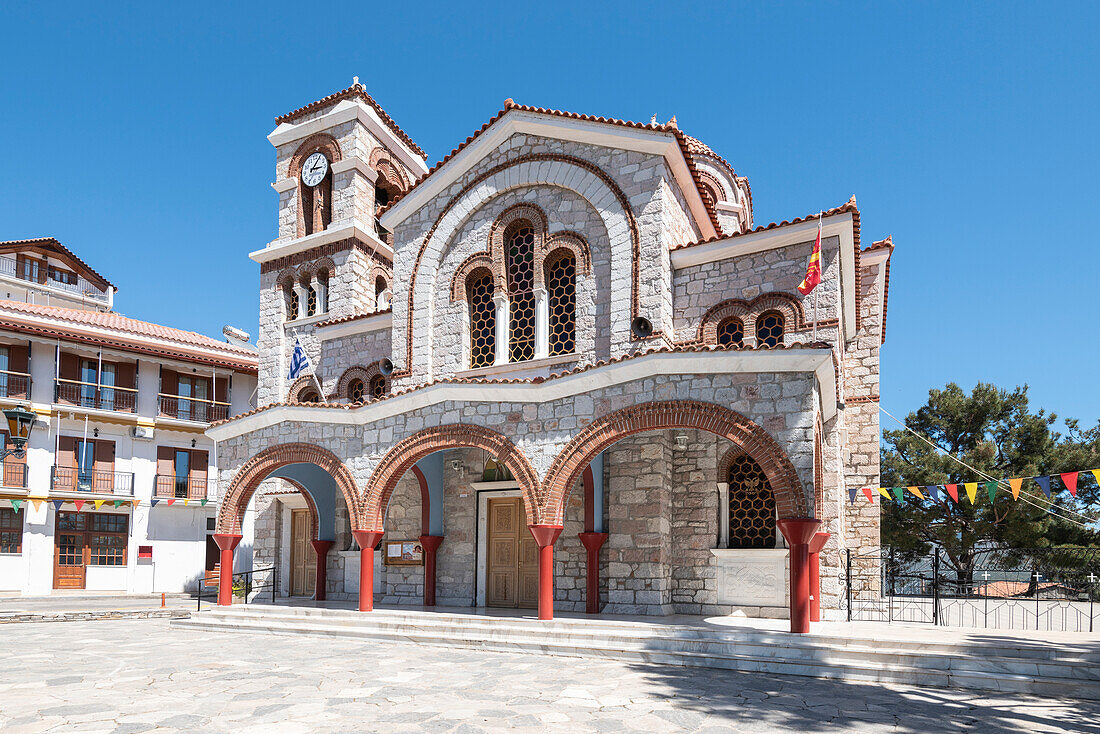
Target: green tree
(995, 432)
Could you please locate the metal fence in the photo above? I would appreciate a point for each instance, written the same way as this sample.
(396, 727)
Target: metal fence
(1053, 589)
(245, 587)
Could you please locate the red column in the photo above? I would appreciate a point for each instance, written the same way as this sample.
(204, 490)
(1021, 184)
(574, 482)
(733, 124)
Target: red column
(321, 547)
(592, 543)
(226, 543)
(798, 533)
(367, 539)
(816, 544)
(430, 544)
(545, 535)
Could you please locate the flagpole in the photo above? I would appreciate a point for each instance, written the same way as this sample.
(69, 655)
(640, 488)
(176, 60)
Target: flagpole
(817, 296)
(312, 371)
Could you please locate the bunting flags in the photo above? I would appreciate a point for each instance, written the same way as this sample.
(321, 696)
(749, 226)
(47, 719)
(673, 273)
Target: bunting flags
(37, 502)
(15, 504)
(98, 503)
(934, 492)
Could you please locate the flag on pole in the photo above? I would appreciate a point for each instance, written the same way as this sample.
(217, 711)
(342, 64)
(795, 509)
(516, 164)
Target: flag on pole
(813, 269)
(299, 361)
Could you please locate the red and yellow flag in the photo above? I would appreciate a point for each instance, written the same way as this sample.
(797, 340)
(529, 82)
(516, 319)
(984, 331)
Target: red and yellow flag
(813, 269)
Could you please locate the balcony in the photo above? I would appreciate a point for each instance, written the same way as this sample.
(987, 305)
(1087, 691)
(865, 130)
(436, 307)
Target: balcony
(71, 283)
(99, 397)
(72, 479)
(15, 474)
(186, 408)
(16, 385)
(171, 486)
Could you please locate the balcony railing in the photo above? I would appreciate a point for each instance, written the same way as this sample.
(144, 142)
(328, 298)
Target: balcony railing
(169, 485)
(14, 384)
(100, 397)
(15, 474)
(72, 479)
(199, 410)
(79, 286)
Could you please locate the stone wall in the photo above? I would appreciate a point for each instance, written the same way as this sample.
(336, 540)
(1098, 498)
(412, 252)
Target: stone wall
(403, 584)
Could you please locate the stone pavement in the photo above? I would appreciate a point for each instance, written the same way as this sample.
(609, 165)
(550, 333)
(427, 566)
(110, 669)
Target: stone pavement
(136, 676)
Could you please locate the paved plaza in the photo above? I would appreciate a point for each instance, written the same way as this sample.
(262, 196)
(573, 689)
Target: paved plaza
(136, 676)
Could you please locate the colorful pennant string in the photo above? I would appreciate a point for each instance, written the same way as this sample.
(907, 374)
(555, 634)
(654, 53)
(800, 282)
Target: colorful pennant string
(934, 491)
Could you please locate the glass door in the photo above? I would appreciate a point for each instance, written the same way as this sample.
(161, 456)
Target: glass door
(182, 470)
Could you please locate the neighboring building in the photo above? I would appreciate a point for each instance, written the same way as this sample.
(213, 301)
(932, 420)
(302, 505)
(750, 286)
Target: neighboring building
(122, 408)
(571, 324)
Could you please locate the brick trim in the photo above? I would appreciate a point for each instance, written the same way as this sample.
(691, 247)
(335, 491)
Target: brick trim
(623, 201)
(314, 518)
(475, 262)
(364, 373)
(752, 439)
(408, 451)
(259, 467)
(326, 250)
(748, 311)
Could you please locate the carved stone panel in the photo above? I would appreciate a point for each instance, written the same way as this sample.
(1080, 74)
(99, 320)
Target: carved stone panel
(752, 577)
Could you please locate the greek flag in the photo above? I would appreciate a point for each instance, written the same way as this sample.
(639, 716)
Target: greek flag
(299, 361)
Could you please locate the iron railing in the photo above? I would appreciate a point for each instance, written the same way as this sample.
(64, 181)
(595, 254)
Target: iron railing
(169, 485)
(244, 585)
(1052, 589)
(199, 410)
(14, 384)
(99, 397)
(78, 284)
(15, 474)
(72, 479)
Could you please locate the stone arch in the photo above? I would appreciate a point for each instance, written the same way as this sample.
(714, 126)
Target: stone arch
(364, 373)
(314, 518)
(751, 438)
(497, 247)
(786, 304)
(259, 467)
(408, 451)
(552, 169)
(316, 143)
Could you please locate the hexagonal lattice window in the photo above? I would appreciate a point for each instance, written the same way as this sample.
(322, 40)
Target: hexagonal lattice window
(291, 303)
(520, 246)
(731, 332)
(483, 319)
(377, 386)
(311, 301)
(769, 329)
(356, 391)
(751, 506)
(561, 287)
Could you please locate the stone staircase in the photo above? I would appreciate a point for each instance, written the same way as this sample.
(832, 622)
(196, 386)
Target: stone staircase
(948, 658)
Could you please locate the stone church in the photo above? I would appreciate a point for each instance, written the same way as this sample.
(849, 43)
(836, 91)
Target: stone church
(562, 368)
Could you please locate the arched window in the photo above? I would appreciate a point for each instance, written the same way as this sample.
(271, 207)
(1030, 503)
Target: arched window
(377, 386)
(769, 329)
(311, 298)
(751, 506)
(381, 294)
(290, 299)
(519, 243)
(561, 288)
(731, 332)
(309, 395)
(356, 391)
(322, 291)
(317, 204)
(483, 319)
(711, 192)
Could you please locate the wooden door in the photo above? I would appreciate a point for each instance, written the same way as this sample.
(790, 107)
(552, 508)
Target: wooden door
(70, 551)
(513, 572)
(303, 559)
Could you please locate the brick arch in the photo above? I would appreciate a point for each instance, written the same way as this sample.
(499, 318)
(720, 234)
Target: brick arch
(382, 162)
(404, 455)
(575, 174)
(752, 439)
(298, 387)
(316, 143)
(362, 372)
(475, 262)
(748, 311)
(259, 467)
(314, 518)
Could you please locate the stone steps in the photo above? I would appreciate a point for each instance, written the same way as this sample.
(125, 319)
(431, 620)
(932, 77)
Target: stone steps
(1025, 667)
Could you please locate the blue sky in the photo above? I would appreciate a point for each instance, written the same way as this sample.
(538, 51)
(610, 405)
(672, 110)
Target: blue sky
(137, 136)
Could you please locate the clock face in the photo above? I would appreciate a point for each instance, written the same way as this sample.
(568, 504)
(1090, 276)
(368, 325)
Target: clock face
(314, 169)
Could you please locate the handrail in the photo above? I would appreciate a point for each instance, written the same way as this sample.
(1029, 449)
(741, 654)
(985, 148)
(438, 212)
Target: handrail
(194, 400)
(100, 385)
(70, 478)
(193, 488)
(249, 587)
(84, 287)
(13, 372)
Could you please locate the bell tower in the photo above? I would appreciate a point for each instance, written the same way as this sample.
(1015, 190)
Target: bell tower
(337, 160)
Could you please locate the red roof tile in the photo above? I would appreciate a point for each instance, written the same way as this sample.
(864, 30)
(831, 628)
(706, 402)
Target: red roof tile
(128, 333)
(355, 90)
(352, 317)
(509, 104)
(52, 243)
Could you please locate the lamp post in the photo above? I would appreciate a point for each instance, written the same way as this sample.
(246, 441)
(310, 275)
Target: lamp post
(20, 422)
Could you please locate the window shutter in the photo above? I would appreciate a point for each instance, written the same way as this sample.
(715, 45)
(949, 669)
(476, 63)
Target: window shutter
(126, 374)
(199, 466)
(166, 457)
(66, 451)
(70, 366)
(18, 357)
(169, 382)
(221, 389)
(104, 453)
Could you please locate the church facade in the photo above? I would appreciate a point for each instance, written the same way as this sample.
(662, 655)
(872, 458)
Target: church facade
(562, 369)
